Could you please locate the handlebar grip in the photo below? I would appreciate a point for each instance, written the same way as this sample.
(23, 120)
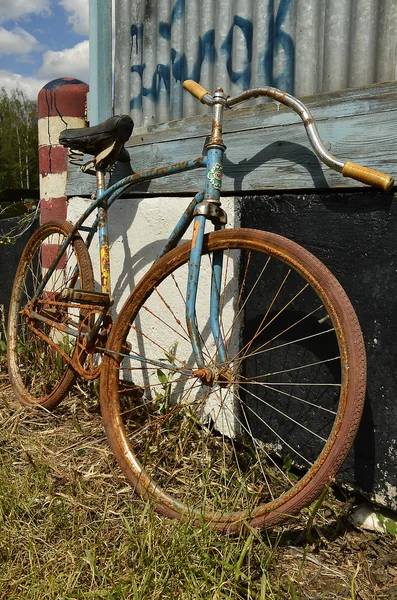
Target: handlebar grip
(368, 176)
(195, 89)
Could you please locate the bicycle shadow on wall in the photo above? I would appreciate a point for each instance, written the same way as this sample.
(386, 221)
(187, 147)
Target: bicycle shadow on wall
(139, 229)
(139, 245)
(300, 228)
(292, 153)
(136, 262)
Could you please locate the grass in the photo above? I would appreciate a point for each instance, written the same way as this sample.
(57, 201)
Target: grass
(71, 528)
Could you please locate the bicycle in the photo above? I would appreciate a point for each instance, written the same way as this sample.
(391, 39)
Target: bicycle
(240, 418)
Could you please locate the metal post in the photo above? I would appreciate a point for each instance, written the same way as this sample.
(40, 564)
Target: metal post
(100, 96)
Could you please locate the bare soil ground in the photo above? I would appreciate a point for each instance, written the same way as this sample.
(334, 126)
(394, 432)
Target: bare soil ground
(71, 528)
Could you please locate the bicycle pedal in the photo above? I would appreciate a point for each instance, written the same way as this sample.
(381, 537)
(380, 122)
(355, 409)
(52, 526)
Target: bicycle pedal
(85, 297)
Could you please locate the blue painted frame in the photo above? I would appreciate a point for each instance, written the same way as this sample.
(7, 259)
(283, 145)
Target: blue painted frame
(211, 192)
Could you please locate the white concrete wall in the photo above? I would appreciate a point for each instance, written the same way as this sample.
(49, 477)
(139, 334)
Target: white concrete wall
(138, 230)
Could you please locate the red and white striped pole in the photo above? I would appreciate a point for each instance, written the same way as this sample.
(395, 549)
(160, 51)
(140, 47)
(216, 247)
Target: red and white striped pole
(61, 105)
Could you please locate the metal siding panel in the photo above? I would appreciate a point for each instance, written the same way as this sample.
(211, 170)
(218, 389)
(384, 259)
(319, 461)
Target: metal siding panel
(178, 65)
(308, 47)
(386, 52)
(162, 35)
(261, 21)
(363, 42)
(122, 59)
(336, 45)
(204, 60)
(191, 48)
(224, 46)
(241, 33)
(303, 46)
(284, 45)
(100, 71)
(150, 85)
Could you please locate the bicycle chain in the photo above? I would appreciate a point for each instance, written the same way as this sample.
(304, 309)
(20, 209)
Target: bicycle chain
(90, 371)
(75, 364)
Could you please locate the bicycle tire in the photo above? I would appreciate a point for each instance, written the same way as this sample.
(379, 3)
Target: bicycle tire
(39, 375)
(175, 454)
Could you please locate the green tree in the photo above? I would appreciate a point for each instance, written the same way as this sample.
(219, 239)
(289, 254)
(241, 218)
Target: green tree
(18, 141)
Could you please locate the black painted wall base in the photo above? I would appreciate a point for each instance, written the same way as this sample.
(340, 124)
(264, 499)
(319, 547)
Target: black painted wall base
(355, 235)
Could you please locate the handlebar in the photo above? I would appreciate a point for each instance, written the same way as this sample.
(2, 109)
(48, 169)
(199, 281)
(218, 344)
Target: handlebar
(347, 169)
(196, 90)
(368, 176)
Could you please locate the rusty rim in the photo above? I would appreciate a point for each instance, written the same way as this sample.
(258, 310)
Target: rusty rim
(333, 433)
(40, 356)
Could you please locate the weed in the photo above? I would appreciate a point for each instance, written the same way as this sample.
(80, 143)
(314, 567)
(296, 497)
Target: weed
(389, 524)
(287, 465)
(72, 529)
(28, 214)
(165, 379)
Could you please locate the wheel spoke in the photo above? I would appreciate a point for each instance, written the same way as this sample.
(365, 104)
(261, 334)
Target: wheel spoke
(248, 439)
(39, 372)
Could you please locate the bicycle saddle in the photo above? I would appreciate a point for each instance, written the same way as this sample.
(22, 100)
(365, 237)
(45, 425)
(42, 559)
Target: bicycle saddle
(104, 141)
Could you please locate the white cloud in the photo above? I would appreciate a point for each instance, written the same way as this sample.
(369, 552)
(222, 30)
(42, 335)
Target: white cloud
(71, 62)
(78, 14)
(17, 41)
(15, 9)
(30, 85)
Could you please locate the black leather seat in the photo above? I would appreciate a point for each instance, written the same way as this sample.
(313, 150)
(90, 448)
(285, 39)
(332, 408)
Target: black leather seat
(92, 140)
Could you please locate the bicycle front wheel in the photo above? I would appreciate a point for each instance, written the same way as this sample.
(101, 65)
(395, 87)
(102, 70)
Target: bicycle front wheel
(39, 346)
(255, 438)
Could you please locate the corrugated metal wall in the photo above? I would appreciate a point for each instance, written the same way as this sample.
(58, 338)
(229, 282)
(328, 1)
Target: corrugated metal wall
(302, 46)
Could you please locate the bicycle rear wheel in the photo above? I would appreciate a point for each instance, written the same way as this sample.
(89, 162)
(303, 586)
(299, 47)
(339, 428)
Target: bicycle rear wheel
(39, 373)
(257, 438)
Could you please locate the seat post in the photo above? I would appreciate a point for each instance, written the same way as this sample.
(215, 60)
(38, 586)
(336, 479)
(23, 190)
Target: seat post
(100, 180)
(104, 254)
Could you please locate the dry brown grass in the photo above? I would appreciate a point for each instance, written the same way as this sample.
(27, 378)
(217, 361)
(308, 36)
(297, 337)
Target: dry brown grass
(71, 528)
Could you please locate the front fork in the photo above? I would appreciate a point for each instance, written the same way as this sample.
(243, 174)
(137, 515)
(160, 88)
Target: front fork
(208, 209)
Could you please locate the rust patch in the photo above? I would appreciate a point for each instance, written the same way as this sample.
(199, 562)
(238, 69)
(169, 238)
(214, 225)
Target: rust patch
(278, 95)
(195, 233)
(105, 269)
(216, 134)
(204, 375)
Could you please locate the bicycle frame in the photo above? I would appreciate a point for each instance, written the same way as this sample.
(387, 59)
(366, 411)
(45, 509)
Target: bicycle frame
(233, 410)
(205, 205)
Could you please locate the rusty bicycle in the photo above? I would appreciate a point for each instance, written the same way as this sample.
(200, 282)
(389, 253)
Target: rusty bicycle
(232, 381)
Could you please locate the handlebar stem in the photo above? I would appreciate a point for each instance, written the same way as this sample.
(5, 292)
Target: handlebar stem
(216, 140)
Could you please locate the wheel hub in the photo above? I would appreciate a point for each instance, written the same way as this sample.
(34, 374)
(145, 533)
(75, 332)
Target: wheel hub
(207, 376)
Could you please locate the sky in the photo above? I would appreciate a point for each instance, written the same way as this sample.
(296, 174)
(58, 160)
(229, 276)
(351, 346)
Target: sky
(41, 40)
